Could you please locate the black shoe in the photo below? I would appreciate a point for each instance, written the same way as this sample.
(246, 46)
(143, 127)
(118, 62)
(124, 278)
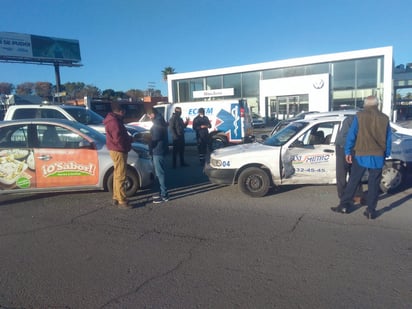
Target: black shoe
(370, 214)
(161, 199)
(340, 209)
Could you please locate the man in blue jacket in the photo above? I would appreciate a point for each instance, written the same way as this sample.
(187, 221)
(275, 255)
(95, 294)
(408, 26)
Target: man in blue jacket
(159, 147)
(370, 138)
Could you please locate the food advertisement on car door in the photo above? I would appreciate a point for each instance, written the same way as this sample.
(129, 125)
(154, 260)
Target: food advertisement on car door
(47, 168)
(16, 168)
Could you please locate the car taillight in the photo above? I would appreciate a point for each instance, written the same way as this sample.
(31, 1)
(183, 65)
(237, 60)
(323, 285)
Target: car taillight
(242, 112)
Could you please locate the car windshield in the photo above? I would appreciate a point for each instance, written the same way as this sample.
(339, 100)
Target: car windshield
(92, 133)
(85, 116)
(284, 135)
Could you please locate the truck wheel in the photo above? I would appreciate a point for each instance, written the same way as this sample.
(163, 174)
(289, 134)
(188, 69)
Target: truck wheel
(254, 182)
(392, 177)
(218, 141)
(132, 183)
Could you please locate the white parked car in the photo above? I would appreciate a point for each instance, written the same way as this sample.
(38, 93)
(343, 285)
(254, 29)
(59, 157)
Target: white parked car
(43, 155)
(303, 152)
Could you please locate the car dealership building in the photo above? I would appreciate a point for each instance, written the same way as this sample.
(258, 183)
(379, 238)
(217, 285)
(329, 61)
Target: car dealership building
(282, 89)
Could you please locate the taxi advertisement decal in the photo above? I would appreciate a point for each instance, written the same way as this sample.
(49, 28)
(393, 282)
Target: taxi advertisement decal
(72, 168)
(311, 159)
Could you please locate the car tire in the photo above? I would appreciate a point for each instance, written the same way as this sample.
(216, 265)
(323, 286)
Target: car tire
(393, 174)
(132, 182)
(254, 182)
(218, 141)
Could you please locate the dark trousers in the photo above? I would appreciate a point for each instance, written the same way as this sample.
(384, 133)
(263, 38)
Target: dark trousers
(202, 143)
(343, 169)
(178, 149)
(354, 180)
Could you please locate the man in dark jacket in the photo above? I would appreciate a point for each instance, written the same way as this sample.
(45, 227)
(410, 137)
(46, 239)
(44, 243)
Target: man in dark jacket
(177, 128)
(343, 168)
(119, 143)
(201, 125)
(159, 146)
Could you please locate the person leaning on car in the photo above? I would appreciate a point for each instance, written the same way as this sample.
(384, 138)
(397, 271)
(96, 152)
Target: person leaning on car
(370, 138)
(119, 143)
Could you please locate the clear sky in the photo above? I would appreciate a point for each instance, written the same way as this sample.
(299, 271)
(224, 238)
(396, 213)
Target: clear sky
(125, 44)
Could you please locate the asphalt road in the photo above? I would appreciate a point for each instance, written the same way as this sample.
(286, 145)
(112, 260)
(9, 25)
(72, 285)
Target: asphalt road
(208, 247)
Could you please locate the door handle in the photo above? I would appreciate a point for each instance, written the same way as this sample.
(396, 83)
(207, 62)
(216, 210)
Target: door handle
(44, 157)
(329, 150)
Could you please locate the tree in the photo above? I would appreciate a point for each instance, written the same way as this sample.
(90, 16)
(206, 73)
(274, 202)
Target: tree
(89, 91)
(166, 71)
(135, 94)
(43, 90)
(6, 88)
(73, 90)
(108, 94)
(25, 88)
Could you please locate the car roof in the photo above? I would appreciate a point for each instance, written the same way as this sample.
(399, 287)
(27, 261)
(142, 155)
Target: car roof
(40, 121)
(338, 113)
(48, 106)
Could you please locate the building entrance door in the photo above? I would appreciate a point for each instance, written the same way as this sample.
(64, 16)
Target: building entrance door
(284, 107)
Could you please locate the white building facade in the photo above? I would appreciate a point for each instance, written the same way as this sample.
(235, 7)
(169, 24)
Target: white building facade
(281, 89)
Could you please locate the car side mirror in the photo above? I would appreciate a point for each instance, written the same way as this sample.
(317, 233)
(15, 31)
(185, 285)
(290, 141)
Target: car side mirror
(85, 144)
(264, 137)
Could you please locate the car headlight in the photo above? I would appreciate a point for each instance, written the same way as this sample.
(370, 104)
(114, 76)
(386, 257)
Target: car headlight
(215, 162)
(143, 153)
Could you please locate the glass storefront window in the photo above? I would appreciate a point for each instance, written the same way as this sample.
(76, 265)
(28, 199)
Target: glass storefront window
(318, 68)
(367, 73)
(233, 81)
(271, 74)
(183, 94)
(250, 84)
(214, 82)
(294, 71)
(343, 77)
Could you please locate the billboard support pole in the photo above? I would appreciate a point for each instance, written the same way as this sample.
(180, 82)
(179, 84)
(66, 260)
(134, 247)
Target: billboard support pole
(57, 73)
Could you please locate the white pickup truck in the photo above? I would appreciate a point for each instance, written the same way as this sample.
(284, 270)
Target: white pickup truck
(70, 112)
(301, 153)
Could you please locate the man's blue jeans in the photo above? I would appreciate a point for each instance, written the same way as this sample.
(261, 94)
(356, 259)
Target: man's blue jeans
(159, 166)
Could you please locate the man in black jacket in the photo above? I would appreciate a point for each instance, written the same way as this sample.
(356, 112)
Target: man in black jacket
(158, 148)
(177, 127)
(201, 124)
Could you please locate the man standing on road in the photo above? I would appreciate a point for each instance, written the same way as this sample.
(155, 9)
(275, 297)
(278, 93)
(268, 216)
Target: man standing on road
(343, 168)
(370, 138)
(177, 127)
(159, 146)
(119, 143)
(201, 125)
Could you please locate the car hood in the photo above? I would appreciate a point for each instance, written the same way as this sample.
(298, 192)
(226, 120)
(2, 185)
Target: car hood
(252, 149)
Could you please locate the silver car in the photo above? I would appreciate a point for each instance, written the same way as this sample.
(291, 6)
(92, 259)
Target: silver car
(58, 155)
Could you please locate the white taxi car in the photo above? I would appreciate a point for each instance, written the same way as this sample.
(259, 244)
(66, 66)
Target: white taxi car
(303, 152)
(58, 155)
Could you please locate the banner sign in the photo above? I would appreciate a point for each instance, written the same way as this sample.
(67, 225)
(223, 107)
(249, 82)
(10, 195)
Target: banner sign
(213, 93)
(17, 46)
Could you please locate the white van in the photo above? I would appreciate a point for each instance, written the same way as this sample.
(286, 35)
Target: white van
(230, 119)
